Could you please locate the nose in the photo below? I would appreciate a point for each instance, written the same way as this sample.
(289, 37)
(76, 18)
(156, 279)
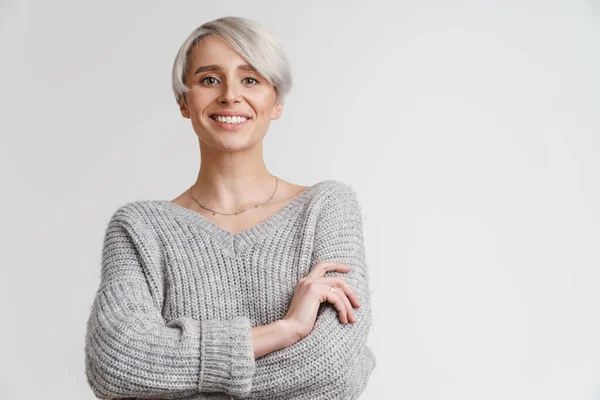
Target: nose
(229, 94)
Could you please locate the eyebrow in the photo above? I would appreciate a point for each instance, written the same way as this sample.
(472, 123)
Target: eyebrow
(241, 67)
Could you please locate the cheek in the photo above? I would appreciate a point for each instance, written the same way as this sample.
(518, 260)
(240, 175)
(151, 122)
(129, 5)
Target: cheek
(263, 106)
(199, 96)
(197, 105)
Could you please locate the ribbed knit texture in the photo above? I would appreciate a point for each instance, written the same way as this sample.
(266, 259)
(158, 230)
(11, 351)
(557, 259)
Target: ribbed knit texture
(178, 297)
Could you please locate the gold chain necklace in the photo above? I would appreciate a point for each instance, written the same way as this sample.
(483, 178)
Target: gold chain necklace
(239, 212)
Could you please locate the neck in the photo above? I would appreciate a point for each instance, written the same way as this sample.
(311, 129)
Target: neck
(230, 180)
(229, 192)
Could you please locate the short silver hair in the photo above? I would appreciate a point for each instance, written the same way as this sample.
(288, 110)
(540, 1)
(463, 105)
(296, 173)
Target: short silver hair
(254, 42)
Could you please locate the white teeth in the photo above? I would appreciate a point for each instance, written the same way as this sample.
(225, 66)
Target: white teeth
(230, 120)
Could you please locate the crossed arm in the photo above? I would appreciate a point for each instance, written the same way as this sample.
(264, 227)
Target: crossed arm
(131, 351)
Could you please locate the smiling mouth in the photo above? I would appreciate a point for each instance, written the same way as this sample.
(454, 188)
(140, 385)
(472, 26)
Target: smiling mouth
(237, 119)
(228, 123)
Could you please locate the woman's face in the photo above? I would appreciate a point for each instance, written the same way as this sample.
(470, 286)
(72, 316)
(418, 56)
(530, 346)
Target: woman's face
(227, 88)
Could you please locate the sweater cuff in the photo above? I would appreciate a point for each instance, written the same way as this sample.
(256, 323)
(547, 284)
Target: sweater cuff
(226, 356)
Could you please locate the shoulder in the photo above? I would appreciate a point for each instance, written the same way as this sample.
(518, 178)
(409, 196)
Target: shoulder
(340, 192)
(136, 220)
(337, 197)
(336, 188)
(135, 215)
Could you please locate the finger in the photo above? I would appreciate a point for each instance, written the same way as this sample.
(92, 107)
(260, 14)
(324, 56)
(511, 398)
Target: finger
(338, 303)
(322, 267)
(350, 310)
(342, 285)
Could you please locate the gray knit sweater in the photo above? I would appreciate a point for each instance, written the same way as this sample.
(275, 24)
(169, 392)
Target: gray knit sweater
(178, 297)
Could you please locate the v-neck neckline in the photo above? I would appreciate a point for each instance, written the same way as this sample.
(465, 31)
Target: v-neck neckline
(233, 243)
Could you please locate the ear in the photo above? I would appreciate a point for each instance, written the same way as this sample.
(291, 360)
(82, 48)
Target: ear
(183, 107)
(277, 110)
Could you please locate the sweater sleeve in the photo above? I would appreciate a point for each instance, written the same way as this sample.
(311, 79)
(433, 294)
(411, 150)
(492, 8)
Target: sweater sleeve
(333, 361)
(131, 351)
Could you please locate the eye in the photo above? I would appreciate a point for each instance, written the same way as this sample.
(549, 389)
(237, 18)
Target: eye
(208, 77)
(253, 79)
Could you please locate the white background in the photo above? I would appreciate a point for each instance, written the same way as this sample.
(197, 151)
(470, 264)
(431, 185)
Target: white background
(469, 129)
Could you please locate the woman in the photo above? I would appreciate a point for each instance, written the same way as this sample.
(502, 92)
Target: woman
(219, 293)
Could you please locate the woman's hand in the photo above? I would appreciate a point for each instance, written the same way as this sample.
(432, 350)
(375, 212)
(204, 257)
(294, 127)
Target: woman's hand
(313, 289)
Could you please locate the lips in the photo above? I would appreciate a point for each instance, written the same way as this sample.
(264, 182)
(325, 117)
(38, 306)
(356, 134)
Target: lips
(231, 126)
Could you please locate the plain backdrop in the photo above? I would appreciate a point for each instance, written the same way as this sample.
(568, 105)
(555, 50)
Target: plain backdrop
(469, 129)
